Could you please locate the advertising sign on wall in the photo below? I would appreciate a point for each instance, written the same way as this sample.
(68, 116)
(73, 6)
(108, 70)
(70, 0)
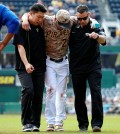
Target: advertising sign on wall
(7, 79)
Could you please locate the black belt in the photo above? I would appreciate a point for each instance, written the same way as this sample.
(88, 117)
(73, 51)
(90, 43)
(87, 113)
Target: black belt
(58, 60)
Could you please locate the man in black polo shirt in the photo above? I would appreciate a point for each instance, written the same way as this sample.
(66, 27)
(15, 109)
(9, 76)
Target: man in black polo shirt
(31, 66)
(85, 64)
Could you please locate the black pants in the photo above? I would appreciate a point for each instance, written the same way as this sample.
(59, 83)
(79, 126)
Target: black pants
(79, 86)
(31, 97)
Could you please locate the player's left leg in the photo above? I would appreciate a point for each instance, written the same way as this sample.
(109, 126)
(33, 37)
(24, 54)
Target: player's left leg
(62, 75)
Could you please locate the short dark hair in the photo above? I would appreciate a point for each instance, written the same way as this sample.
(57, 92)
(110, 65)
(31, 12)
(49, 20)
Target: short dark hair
(37, 7)
(82, 9)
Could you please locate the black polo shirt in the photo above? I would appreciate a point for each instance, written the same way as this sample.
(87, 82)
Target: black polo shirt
(84, 52)
(34, 43)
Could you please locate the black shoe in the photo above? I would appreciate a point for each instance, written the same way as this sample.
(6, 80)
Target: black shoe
(83, 129)
(96, 129)
(35, 129)
(27, 128)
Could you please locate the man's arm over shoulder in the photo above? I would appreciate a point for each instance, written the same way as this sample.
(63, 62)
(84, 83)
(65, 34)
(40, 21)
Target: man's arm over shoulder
(73, 20)
(48, 19)
(25, 23)
(94, 23)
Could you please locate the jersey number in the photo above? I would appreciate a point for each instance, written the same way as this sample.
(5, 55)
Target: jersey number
(64, 43)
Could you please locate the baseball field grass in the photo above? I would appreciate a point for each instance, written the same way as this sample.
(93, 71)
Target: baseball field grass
(11, 124)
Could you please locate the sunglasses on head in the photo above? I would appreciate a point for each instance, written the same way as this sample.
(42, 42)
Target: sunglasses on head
(85, 18)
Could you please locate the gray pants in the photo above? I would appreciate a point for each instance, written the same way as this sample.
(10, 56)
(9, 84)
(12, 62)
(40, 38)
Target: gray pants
(31, 97)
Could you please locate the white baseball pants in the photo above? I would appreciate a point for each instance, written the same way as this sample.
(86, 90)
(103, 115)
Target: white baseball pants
(56, 83)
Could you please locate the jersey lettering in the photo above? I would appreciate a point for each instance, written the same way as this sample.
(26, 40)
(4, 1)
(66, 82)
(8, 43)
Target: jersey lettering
(51, 34)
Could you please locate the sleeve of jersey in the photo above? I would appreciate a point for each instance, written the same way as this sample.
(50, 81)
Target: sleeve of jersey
(101, 31)
(10, 20)
(19, 37)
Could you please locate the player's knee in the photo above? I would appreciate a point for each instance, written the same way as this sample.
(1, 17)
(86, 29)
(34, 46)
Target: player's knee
(50, 90)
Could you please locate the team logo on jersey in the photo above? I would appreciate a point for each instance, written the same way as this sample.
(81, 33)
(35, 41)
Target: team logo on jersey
(37, 29)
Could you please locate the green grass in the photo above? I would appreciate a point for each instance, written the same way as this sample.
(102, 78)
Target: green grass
(11, 124)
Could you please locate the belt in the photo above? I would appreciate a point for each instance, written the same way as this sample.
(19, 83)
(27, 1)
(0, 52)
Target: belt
(58, 60)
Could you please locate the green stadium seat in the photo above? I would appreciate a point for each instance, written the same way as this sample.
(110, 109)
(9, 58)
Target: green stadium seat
(108, 78)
